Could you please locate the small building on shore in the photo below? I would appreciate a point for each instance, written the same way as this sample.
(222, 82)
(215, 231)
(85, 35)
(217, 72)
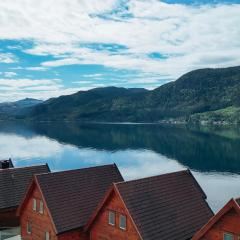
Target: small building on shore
(165, 207)
(225, 225)
(13, 185)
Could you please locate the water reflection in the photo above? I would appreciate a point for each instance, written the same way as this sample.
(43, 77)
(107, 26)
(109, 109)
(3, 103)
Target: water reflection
(139, 150)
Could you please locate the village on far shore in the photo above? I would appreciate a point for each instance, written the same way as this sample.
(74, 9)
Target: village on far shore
(95, 203)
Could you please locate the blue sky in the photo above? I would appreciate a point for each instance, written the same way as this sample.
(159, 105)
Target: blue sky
(49, 48)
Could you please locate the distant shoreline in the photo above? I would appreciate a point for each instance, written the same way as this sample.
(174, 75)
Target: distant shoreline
(161, 122)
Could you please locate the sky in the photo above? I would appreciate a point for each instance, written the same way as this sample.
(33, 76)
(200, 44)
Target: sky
(50, 48)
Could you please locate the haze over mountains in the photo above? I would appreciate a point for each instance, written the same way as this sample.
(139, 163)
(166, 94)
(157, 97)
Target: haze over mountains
(205, 95)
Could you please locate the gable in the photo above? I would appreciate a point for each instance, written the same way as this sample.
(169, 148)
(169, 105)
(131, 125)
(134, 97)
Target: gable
(100, 227)
(226, 220)
(40, 221)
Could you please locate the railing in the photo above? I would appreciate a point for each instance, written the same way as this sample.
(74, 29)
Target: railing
(9, 233)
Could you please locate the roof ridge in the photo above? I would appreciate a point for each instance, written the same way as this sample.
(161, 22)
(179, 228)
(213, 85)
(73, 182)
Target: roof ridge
(23, 167)
(78, 169)
(155, 176)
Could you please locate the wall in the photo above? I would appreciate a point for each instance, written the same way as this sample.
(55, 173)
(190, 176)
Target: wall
(40, 222)
(101, 230)
(230, 222)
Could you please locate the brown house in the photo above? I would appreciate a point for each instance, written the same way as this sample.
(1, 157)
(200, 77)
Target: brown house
(225, 225)
(166, 207)
(58, 205)
(13, 184)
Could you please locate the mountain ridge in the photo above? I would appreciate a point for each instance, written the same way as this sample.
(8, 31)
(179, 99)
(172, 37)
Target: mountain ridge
(198, 92)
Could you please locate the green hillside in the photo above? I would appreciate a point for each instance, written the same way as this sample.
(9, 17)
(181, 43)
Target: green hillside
(208, 95)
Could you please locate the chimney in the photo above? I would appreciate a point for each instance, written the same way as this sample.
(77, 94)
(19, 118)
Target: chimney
(5, 164)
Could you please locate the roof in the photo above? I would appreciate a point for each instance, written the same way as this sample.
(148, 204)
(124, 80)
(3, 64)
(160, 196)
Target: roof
(167, 207)
(232, 204)
(14, 183)
(72, 196)
(6, 164)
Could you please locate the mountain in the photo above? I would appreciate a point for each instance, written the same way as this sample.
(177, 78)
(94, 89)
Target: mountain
(21, 107)
(205, 95)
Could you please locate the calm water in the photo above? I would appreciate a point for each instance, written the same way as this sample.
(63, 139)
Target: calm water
(213, 155)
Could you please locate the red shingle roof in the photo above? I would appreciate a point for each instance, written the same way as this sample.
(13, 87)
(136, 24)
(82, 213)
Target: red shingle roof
(72, 196)
(167, 207)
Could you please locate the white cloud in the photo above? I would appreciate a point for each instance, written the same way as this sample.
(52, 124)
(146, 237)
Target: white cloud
(36, 69)
(16, 89)
(9, 74)
(7, 58)
(189, 37)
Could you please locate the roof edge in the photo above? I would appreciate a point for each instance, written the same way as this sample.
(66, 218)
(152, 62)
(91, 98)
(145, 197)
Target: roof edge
(150, 177)
(123, 202)
(99, 207)
(24, 167)
(78, 169)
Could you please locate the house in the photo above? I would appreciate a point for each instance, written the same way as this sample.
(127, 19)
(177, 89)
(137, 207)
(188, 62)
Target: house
(166, 207)
(225, 225)
(13, 184)
(58, 205)
(6, 164)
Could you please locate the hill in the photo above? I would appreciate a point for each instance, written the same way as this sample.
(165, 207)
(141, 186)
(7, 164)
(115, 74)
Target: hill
(194, 97)
(14, 109)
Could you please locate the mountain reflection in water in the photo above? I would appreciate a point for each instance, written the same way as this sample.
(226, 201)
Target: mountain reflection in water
(139, 150)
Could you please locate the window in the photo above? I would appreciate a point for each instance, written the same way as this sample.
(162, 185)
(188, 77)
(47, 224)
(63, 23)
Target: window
(34, 204)
(41, 207)
(29, 227)
(228, 236)
(47, 236)
(122, 222)
(111, 218)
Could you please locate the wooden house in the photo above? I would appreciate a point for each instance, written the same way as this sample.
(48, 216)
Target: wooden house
(57, 206)
(225, 225)
(166, 207)
(13, 184)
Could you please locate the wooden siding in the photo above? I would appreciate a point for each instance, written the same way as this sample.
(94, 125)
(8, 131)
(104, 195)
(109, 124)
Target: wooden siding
(228, 223)
(101, 230)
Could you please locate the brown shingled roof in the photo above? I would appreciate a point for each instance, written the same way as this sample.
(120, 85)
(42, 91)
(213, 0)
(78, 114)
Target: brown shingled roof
(14, 183)
(72, 196)
(167, 207)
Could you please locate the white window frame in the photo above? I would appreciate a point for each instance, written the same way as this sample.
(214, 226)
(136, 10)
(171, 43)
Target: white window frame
(124, 218)
(41, 207)
(228, 234)
(34, 204)
(111, 216)
(47, 235)
(29, 227)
